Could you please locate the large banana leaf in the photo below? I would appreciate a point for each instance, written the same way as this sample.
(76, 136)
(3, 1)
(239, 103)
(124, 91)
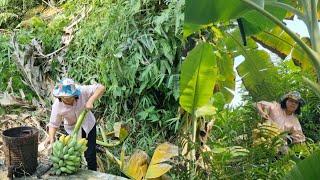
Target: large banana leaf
(254, 22)
(306, 169)
(198, 76)
(280, 43)
(226, 81)
(277, 41)
(202, 12)
(232, 42)
(199, 13)
(300, 57)
(259, 75)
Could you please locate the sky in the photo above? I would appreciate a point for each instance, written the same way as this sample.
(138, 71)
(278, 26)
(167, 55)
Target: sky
(297, 26)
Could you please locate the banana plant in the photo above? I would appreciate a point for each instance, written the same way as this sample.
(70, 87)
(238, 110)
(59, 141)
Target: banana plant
(259, 15)
(198, 76)
(199, 73)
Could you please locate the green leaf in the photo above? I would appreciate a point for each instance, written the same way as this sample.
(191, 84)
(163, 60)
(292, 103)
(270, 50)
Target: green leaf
(218, 150)
(259, 75)
(233, 40)
(226, 81)
(306, 169)
(218, 100)
(198, 76)
(276, 40)
(254, 22)
(191, 28)
(120, 131)
(203, 12)
(280, 43)
(5, 16)
(315, 87)
(207, 11)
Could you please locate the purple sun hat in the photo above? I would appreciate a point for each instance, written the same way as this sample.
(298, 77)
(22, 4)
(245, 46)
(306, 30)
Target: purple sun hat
(66, 88)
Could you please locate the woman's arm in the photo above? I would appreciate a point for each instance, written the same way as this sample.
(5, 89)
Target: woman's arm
(263, 110)
(54, 123)
(296, 133)
(96, 95)
(52, 133)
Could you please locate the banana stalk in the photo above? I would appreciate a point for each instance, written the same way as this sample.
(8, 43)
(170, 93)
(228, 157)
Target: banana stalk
(79, 122)
(108, 153)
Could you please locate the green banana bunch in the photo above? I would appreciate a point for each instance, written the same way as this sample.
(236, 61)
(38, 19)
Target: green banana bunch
(267, 133)
(67, 151)
(66, 154)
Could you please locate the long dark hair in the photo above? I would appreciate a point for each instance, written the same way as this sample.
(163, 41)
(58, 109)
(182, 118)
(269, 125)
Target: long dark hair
(284, 106)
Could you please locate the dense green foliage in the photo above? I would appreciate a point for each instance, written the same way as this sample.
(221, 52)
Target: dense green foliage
(134, 48)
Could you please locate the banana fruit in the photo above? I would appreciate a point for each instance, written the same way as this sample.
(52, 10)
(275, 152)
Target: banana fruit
(268, 135)
(67, 153)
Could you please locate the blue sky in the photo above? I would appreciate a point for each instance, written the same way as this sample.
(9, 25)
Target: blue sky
(297, 26)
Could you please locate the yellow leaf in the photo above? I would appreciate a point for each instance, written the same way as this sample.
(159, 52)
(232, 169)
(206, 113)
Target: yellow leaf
(120, 131)
(137, 165)
(207, 110)
(157, 170)
(164, 152)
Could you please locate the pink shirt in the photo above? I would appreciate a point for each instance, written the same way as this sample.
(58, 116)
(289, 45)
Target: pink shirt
(289, 123)
(70, 113)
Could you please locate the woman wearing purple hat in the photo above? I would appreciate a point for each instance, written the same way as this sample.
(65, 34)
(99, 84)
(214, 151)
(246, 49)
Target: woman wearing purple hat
(284, 114)
(71, 100)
